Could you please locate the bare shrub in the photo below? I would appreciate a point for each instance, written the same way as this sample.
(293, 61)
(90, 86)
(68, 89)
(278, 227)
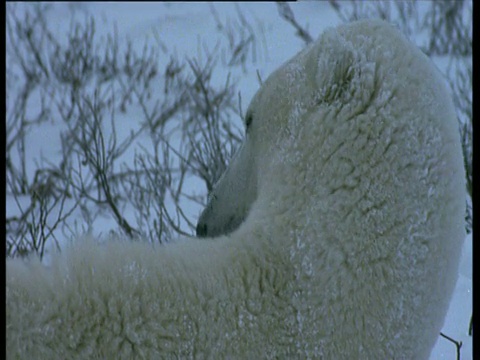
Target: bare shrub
(286, 13)
(86, 86)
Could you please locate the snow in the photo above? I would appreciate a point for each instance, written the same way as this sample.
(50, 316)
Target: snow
(185, 29)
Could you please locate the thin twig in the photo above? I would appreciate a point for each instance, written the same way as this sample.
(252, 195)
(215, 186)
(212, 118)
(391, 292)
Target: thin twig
(458, 344)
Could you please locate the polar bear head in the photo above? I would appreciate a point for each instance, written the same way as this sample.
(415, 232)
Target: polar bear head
(319, 76)
(352, 151)
(348, 76)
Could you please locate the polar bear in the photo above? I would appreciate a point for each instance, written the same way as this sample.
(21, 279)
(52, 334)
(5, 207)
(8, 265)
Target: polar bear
(334, 234)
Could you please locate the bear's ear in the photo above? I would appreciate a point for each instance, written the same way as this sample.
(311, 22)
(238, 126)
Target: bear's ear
(341, 69)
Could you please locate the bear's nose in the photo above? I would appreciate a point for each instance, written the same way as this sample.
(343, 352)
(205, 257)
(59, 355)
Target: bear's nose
(201, 229)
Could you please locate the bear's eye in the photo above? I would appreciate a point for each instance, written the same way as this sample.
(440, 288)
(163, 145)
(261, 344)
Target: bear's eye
(248, 120)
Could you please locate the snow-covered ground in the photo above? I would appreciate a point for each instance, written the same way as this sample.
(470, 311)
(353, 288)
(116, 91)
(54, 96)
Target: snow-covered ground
(185, 28)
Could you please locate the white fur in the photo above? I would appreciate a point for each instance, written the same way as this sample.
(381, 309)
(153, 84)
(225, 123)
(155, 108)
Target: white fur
(349, 248)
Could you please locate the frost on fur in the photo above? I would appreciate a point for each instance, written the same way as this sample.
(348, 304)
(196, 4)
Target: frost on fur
(346, 238)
